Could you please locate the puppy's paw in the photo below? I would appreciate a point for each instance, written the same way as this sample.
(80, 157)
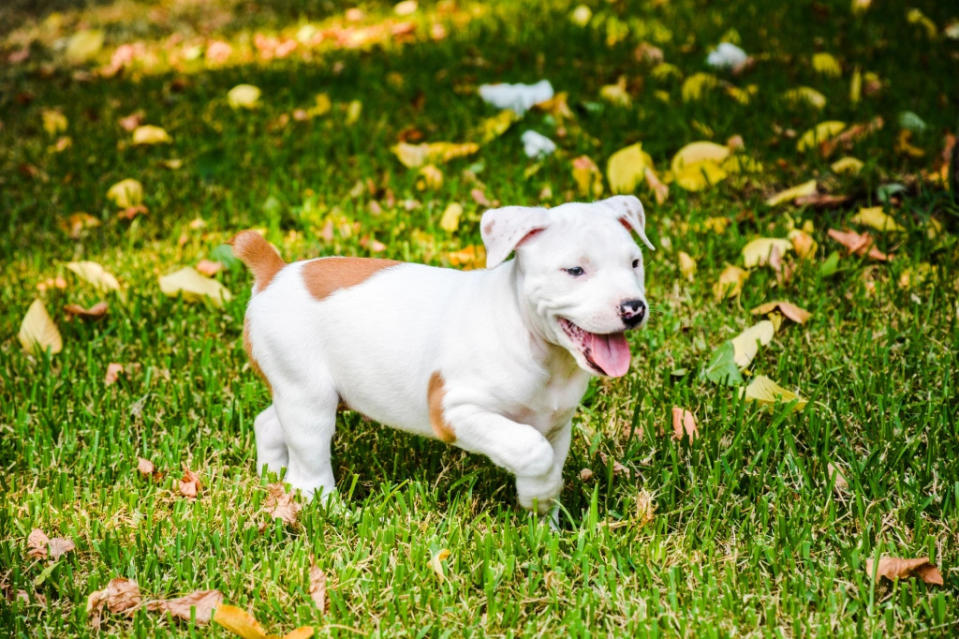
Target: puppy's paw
(539, 493)
(535, 460)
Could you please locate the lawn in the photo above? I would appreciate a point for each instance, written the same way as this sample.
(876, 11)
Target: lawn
(759, 524)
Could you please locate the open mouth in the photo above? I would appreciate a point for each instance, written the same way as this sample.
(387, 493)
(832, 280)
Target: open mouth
(608, 354)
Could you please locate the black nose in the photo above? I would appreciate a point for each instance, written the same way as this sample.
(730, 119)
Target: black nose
(633, 312)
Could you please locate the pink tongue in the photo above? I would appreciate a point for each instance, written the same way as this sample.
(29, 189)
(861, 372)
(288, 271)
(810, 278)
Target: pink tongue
(610, 352)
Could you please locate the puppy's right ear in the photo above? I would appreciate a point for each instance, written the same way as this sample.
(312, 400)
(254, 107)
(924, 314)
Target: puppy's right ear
(506, 228)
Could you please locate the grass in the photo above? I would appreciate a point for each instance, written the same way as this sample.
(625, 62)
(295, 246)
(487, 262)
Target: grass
(749, 536)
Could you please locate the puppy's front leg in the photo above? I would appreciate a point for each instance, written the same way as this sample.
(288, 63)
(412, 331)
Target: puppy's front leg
(543, 491)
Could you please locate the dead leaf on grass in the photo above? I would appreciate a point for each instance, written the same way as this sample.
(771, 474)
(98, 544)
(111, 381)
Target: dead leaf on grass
(189, 484)
(894, 568)
(436, 563)
(875, 217)
(113, 373)
(758, 251)
(730, 283)
(687, 265)
(803, 190)
(188, 282)
(37, 544)
(95, 312)
(684, 424)
(209, 267)
(131, 122)
(836, 476)
(746, 344)
(145, 466)
(120, 595)
(39, 331)
(281, 504)
(76, 223)
(202, 602)
(645, 506)
(768, 393)
(859, 244)
(95, 275)
(788, 309)
(318, 586)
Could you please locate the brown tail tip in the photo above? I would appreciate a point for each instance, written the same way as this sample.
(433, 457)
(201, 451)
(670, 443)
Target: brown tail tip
(259, 255)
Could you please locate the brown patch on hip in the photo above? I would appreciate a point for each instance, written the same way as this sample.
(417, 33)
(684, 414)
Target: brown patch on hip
(434, 398)
(325, 276)
(248, 347)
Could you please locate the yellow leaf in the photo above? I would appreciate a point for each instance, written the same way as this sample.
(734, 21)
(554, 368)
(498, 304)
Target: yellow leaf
(126, 193)
(915, 16)
(803, 243)
(665, 70)
(353, 111)
(54, 121)
(322, 105)
(432, 177)
(83, 46)
(149, 134)
(194, 286)
(616, 93)
(495, 126)
(38, 330)
(687, 266)
(806, 94)
(626, 168)
(790, 310)
(95, 274)
(876, 218)
(906, 147)
(819, 133)
(766, 392)
(717, 224)
(587, 176)
(416, 155)
(826, 64)
(697, 165)
(436, 562)
(746, 344)
(239, 622)
(757, 252)
(741, 163)
(802, 190)
(243, 96)
(303, 632)
(581, 15)
(848, 165)
(730, 282)
(695, 85)
(737, 94)
(696, 177)
(451, 217)
(855, 86)
(468, 258)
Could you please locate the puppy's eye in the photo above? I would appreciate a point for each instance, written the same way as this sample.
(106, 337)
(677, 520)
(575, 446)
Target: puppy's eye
(575, 271)
(635, 263)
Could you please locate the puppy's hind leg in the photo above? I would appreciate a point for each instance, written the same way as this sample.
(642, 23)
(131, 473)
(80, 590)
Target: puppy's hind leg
(308, 420)
(271, 450)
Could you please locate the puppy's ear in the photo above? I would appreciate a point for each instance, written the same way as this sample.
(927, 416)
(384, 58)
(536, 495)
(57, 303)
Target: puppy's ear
(629, 210)
(506, 228)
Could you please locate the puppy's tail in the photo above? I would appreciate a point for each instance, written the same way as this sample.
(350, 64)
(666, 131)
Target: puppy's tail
(259, 255)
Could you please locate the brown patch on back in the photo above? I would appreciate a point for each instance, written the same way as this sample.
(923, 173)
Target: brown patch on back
(259, 255)
(248, 347)
(434, 398)
(325, 276)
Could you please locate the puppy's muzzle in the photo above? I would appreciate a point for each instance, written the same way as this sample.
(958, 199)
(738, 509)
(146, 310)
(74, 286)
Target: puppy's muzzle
(632, 312)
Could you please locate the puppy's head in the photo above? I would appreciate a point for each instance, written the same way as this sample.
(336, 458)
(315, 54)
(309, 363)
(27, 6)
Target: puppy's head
(580, 274)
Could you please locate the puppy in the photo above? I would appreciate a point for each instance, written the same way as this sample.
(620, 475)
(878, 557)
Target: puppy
(493, 361)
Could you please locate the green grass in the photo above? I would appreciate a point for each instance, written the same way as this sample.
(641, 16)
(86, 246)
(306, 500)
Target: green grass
(749, 535)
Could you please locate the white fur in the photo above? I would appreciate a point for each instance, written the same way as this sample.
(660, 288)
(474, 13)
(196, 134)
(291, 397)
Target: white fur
(511, 384)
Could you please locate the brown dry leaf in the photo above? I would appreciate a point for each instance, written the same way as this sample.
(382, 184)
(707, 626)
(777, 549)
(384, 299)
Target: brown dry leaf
(893, 568)
(318, 586)
(76, 223)
(803, 243)
(281, 504)
(94, 274)
(208, 267)
(835, 473)
(660, 190)
(95, 312)
(239, 622)
(850, 135)
(145, 466)
(132, 121)
(860, 244)
(120, 595)
(37, 542)
(905, 146)
(189, 484)
(436, 563)
(790, 310)
(113, 373)
(59, 546)
(480, 198)
(684, 424)
(821, 200)
(645, 507)
(203, 601)
(585, 474)
(730, 282)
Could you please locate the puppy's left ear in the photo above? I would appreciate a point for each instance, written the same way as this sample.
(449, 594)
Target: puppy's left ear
(629, 210)
(506, 228)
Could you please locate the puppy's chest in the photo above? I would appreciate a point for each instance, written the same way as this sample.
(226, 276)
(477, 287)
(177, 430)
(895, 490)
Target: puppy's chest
(547, 407)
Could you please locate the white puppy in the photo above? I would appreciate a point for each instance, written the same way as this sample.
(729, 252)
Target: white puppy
(494, 361)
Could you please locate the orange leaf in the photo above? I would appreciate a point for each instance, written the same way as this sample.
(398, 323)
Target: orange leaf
(239, 622)
(790, 310)
(96, 311)
(209, 267)
(189, 484)
(113, 373)
(202, 601)
(860, 244)
(684, 424)
(895, 568)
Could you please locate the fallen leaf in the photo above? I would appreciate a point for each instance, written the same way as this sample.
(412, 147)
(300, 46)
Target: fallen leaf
(198, 605)
(37, 544)
(626, 168)
(131, 212)
(836, 476)
(821, 200)
(684, 424)
(585, 474)
(172, 163)
(97, 311)
(149, 134)
(194, 286)
(132, 121)
(145, 466)
(189, 484)
(468, 258)
(730, 282)
(801, 190)
(876, 218)
(95, 274)
(616, 93)
(905, 146)
(353, 111)
(281, 504)
(697, 84)
(589, 181)
(806, 94)
(746, 344)
(645, 506)
(803, 243)
(687, 266)
(120, 595)
(52, 283)
(915, 16)
(826, 64)
(818, 134)
(243, 96)
(209, 267)
(660, 190)
(76, 223)
(479, 196)
(126, 193)
(788, 309)
(37, 330)
(239, 622)
(113, 373)
(54, 121)
(768, 393)
(304, 632)
(83, 46)
(850, 135)
(450, 220)
(698, 165)
(59, 546)
(758, 251)
(860, 244)
(722, 367)
(432, 177)
(495, 126)
(415, 155)
(318, 586)
(436, 563)
(893, 568)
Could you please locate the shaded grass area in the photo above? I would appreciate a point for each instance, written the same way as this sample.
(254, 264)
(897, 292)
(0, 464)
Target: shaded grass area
(749, 536)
